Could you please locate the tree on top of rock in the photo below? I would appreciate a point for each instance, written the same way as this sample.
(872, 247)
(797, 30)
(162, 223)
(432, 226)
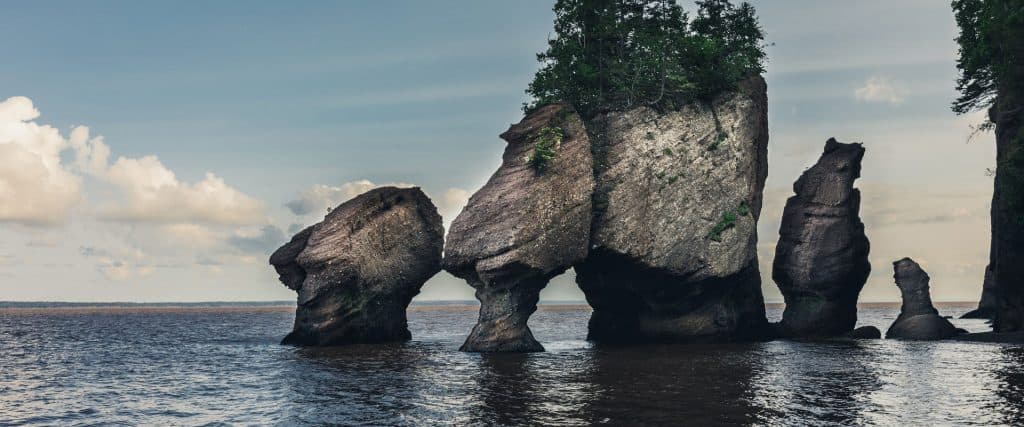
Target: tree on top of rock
(991, 67)
(619, 54)
(991, 52)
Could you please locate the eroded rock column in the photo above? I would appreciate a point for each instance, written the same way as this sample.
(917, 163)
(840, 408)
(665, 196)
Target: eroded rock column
(918, 320)
(529, 223)
(821, 259)
(357, 271)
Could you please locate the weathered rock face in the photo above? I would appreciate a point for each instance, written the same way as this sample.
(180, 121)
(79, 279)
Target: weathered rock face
(865, 333)
(673, 244)
(357, 271)
(918, 320)
(1007, 258)
(525, 226)
(821, 259)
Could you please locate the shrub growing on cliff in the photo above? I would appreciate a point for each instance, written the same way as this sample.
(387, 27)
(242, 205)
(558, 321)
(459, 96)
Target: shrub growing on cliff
(728, 221)
(618, 54)
(545, 148)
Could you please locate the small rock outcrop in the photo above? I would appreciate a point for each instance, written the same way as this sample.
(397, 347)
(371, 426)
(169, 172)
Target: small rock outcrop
(821, 259)
(865, 333)
(357, 271)
(673, 245)
(918, 320)
(529, 223)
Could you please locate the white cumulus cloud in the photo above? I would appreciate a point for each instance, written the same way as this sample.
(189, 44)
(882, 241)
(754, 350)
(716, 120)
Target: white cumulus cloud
(38, 188)
(35, 188)
(881, 90)
(152, 193)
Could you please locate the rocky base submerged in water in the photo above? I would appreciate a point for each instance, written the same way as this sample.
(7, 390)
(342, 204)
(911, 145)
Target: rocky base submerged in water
(673, 251)
(918, 320)
(357, 271)
(530, 222)
(821, 259)
(656, 211)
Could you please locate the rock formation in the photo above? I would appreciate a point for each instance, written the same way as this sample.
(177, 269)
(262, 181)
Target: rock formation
(528, 224)
(918, 319)
(865, 333)
(988, 304)
(357, 271)
(821, 259)
(1007, 257)
(673, 245)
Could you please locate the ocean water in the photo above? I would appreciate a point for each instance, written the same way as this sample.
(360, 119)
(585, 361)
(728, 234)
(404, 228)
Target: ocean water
(223, 366)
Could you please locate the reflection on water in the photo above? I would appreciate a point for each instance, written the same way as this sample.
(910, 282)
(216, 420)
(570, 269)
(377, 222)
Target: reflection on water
(1010, 390)
(218, 365)
(831, 382)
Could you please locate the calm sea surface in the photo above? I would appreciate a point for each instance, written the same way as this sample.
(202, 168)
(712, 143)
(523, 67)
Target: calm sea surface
(195, 366)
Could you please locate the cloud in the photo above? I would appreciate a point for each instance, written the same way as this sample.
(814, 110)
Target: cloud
(319, 197)
(38, 188)
(89, 251)
(881, 90)
(35, 188)
(151, 193)
(137, 213)
(118, 265)
(886, 205)
(270, 237)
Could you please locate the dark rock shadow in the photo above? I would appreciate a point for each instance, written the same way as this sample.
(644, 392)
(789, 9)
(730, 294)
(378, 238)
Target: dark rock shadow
(508, 393)
(672, 385)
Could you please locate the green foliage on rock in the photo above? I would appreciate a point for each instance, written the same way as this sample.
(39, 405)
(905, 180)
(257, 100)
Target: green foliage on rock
(744, 209)
(728, 221)
(991, 65)
(991, 52)
(619, 54)
(545, 148)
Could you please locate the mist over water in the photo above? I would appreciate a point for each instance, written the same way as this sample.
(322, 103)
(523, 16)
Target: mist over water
(194, 366)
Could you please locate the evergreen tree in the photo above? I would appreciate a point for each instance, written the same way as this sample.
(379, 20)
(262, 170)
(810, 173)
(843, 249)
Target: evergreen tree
(616, 54)
(991, 67)
(991, 59)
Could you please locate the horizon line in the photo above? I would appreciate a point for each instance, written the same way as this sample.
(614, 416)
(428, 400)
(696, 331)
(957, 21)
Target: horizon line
(55, 303)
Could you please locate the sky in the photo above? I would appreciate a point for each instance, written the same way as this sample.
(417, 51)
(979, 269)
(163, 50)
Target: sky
(159, 151)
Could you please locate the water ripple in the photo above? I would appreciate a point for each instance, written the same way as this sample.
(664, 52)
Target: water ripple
(224, 367)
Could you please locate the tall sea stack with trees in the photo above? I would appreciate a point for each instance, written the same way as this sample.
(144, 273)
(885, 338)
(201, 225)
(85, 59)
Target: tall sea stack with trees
(675, 118)
(991, 67)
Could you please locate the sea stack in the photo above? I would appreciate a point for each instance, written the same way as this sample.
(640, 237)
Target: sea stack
(821, 259)
(988, 305)
(1007, 251)
(357, 271)
(529, 223)
(918, 320)
(673, 248)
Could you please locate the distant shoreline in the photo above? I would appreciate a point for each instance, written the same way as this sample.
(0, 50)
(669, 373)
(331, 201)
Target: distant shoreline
(291, 304)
